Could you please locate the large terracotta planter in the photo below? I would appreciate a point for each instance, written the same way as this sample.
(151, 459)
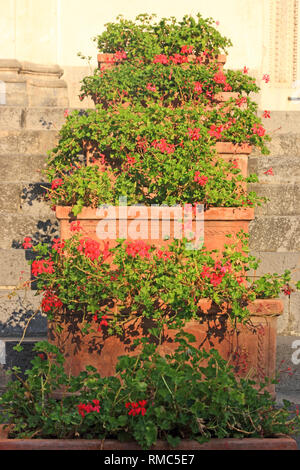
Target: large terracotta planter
(280, 443)
(250, 349)
(214, 224)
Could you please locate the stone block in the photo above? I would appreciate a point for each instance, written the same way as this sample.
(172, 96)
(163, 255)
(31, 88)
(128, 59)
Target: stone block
(283, 199)
(283, 145)
(11, 117)
(16, 226)
(282, 122)
(275, 233)
(19, 169)
(16, 311)
(10, 196)
(14, 90)
(13, 267)
(285, 170)
(45, 117)
(25, 142)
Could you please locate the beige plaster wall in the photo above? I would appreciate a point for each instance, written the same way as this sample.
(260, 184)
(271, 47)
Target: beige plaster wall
(54, 31)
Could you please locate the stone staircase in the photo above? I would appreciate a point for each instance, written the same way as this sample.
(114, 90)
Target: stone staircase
(32, 104)
(275, 236)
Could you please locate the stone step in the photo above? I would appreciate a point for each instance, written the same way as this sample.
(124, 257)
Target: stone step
(13, 90)
(282, 122)
(22, 169)
(283, 198)
(16, 311)
(27, 142)
(14, 267)
(285, 170)
(18, 225)
(275, 233)
(37, 118)
(283, 145)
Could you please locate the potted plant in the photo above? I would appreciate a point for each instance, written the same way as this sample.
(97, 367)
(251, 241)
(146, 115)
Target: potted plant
(189, 400)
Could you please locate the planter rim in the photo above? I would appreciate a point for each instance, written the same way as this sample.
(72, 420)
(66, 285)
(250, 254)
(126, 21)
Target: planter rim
(214, 213)
(276, 443)
(221, 58)
(229, 147)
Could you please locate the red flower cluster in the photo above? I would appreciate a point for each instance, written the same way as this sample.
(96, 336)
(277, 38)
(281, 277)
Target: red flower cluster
(266, 77)
(142, 143)
(220, 78)
(240, 101)
(269, 172)
(131, 161)
(216, 131)
(90, 248)
(137, 408)
(27, 243)
(200, 179)
(187, 49)
(58, 245)
(266, 114)
(163, 146)
(151, 87)
(75, 226)
(42, 266)
(138, 247)
(164, 254)
(120, 55)
(194, 133)
(56, 183)
(197, 87)
(50, 301)
(88, 408)
(160, 59)
(259, 130)
(216, 273)
(103, 321)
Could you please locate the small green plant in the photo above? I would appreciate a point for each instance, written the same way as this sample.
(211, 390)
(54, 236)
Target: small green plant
(143, 38)
(190, 394)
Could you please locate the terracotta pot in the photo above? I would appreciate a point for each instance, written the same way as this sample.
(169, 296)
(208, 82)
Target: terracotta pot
(238, 153)
(251, 349)
(152, 225)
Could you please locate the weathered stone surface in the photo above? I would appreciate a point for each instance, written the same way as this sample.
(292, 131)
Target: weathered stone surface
(19, 169)
(274, 262)
(282, 122)
(10, 196)
(284, 145)
(47, 93)
(16, 311)
(25, 142)
(12, 264)
(17, 226)
(283, 199)
(14, 92)
(45, 117)
(10, 117)
(275, 233)
(285, 170)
